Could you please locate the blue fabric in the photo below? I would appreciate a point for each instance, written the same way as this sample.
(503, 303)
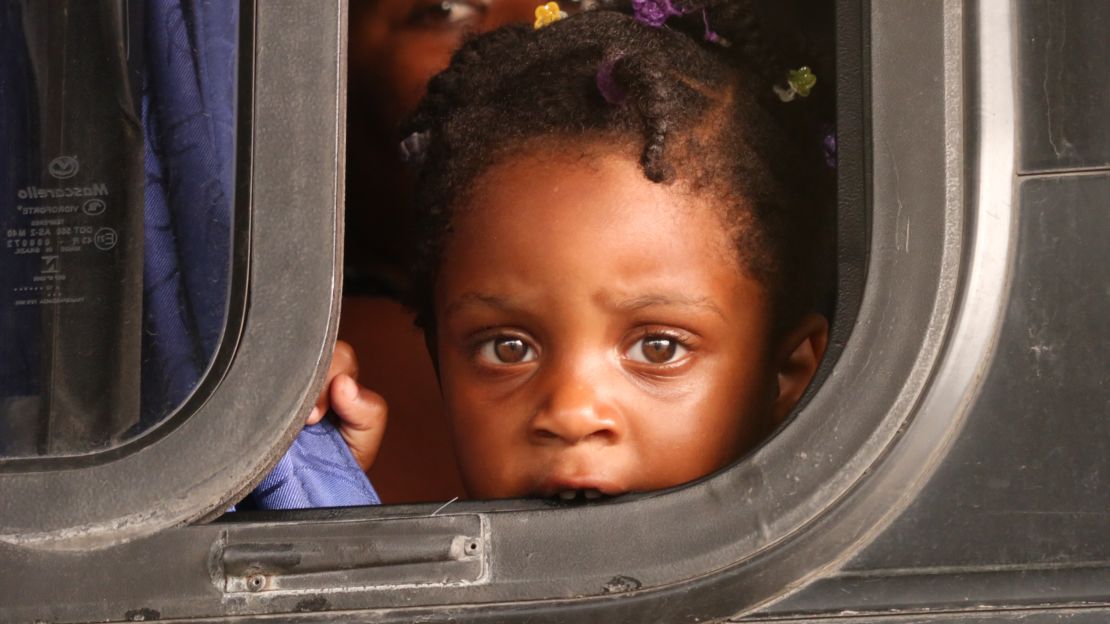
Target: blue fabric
(188, 105)
(317, 471)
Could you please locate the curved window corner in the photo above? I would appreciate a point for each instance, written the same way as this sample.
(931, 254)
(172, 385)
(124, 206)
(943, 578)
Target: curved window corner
(149, 194)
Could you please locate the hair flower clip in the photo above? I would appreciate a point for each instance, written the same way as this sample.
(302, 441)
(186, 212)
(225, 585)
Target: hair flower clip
(799, 82)
(547, 14)
(654, 13)
(607, 84)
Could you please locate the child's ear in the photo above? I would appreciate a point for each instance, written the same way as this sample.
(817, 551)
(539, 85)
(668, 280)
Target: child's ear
(799, 355)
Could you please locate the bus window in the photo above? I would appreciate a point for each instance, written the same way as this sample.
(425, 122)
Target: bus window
(116, 216)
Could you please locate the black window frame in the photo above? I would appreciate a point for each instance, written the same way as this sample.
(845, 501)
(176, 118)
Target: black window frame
(283, 291)
(726, 545)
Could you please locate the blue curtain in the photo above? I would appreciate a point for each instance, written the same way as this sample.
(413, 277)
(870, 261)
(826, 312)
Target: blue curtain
(189, 120)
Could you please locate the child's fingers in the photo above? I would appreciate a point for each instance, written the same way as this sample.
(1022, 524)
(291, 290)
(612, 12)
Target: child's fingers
(362, 418)
(343, 362)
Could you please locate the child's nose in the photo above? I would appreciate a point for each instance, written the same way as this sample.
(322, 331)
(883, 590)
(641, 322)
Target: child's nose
(575, 412)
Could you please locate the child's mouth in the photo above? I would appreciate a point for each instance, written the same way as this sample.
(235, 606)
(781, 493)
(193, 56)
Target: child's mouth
(580, 494)
(581, 489)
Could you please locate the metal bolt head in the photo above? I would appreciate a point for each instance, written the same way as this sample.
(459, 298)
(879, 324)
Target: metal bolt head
(256, 582)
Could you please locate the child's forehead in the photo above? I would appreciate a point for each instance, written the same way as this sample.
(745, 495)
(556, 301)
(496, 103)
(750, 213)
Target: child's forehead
(590, 226)
(597, 196)
(585, 190)
(583, 170)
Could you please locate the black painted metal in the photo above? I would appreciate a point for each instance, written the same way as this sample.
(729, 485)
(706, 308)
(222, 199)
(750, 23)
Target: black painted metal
(981, 616)
(445, 550)
(1064, 57)
(891, 498)
(1019, 513)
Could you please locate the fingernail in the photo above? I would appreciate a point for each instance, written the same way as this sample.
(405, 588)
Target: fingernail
(314, 414)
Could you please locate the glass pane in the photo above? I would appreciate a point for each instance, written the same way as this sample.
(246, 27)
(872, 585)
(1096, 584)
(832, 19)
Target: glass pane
(118, 135)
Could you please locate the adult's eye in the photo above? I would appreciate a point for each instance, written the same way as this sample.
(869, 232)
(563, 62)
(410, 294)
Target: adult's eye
(506, 350)
(446, 12)
(656, 349)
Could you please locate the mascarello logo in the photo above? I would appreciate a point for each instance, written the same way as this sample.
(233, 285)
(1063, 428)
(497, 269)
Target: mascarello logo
(64, 167)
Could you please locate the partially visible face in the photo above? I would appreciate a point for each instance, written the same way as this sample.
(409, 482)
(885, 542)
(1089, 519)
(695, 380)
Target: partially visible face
(400, 44)
(596, 334)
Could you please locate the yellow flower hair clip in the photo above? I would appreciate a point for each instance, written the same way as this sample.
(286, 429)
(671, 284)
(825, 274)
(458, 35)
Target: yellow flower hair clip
(799, 82)
(547, 14)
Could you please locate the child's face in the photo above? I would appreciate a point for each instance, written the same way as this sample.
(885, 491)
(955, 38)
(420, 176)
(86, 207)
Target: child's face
(596, 333)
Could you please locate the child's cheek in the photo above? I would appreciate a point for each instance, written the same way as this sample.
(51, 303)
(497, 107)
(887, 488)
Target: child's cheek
(489, 452)
(709, 420)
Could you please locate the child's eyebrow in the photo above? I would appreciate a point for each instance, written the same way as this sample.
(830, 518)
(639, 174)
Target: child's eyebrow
(472, 299)
(477, 299)
(647, 301)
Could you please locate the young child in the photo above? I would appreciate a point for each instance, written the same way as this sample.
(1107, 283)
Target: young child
(625, 259)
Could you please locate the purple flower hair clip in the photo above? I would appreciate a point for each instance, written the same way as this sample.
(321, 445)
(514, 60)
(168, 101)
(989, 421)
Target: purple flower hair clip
(655, 13)
(613, 92)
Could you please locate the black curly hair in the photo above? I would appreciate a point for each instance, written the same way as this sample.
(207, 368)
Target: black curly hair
(698, 111)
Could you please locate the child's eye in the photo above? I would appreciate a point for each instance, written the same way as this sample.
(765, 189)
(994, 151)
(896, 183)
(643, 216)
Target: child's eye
(656, 349)
(506, 350)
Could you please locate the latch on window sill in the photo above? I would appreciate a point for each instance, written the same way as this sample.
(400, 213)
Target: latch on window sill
(445, 550)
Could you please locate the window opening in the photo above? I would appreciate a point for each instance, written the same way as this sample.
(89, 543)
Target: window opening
(392, 352)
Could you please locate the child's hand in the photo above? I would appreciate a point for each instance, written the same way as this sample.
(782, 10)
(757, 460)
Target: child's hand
(362, 412)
